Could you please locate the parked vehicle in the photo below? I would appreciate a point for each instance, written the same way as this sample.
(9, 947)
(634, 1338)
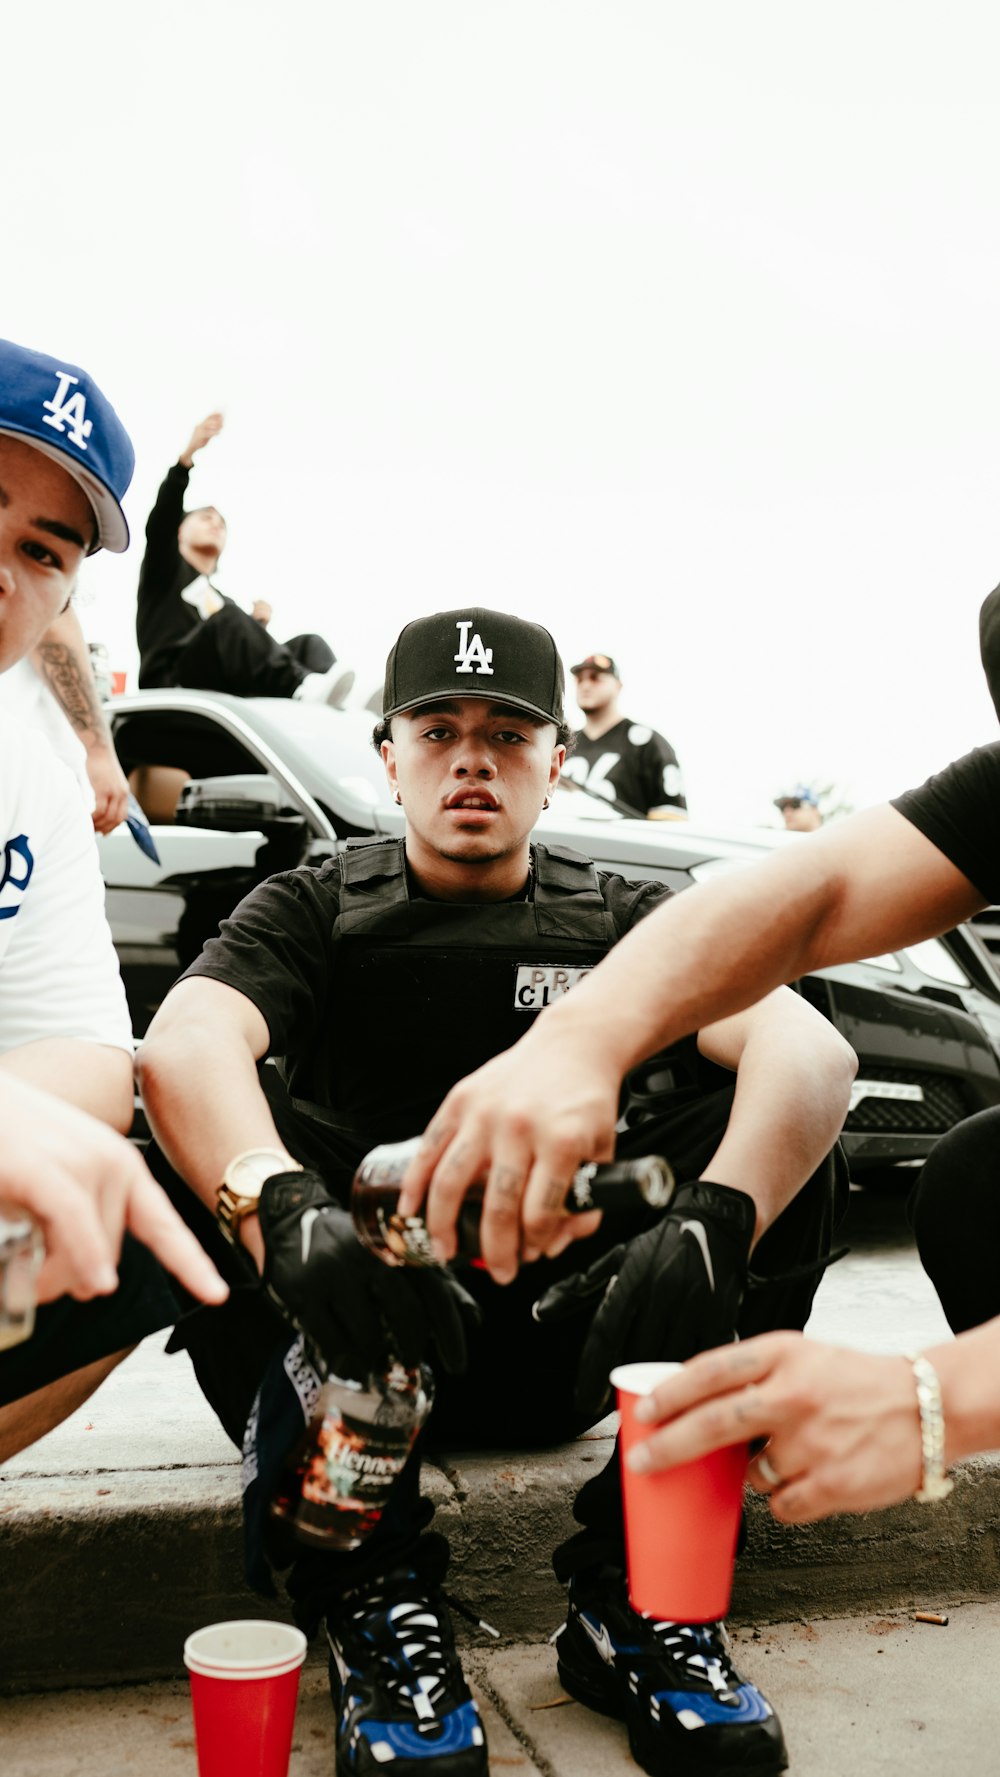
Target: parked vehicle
(237, 789)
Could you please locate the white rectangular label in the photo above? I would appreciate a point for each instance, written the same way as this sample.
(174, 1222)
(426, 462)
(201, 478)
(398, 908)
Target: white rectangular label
(538, 984)
(897, 1089)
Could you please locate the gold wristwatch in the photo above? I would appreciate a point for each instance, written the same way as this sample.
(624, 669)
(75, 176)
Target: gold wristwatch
(242, 1183)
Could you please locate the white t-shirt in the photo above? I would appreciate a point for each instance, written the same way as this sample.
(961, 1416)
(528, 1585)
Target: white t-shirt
(29, 702)
(58, 970)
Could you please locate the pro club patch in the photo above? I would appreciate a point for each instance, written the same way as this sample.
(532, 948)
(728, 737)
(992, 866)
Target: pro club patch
(538, 984)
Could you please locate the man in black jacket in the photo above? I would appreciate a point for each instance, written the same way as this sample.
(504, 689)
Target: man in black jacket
(189, 633)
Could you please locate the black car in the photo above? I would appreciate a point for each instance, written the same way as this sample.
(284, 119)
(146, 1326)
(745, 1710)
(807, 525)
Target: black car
(237, 789)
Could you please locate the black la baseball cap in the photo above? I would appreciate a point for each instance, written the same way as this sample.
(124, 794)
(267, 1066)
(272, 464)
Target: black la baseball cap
(475, 653)
(598, 663)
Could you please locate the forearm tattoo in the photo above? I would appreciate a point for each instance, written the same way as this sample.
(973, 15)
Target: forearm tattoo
(73, 689)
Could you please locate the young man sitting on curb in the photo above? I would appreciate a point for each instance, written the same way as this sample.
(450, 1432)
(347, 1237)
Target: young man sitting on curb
(378, 979)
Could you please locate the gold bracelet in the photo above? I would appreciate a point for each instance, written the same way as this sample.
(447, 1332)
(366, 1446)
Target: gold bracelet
(935, 1484)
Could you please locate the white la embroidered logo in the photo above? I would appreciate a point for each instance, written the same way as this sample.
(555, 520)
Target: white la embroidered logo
(66, 410)
(470, 651)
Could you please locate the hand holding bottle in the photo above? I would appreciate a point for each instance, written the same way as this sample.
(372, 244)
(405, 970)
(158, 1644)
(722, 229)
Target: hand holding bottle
(354, 1310)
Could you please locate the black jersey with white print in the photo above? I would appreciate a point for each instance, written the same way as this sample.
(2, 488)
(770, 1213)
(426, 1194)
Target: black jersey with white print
(631, 765)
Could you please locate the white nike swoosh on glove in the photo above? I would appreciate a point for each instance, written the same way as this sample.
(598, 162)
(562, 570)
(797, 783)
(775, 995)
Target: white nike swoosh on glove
(698, 1230)
(311, 1216)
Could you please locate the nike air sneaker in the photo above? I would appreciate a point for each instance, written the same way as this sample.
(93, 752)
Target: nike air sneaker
(398, 1688)
(687, 1709)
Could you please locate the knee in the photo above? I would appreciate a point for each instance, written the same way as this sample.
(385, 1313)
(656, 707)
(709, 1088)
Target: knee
(957, 1189)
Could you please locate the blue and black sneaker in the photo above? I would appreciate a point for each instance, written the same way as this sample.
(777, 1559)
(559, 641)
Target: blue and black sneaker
(397, 1683)
(687, 1709)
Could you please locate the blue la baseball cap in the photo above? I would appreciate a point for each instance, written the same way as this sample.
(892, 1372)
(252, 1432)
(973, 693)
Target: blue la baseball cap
(801, 793)
(56, 407)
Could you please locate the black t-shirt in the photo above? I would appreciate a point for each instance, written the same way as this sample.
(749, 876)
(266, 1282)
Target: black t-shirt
(629, 764)
(958, 810)
(278, 950)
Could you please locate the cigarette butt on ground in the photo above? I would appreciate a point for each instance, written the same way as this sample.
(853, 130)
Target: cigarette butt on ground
(553, 1703)
(931, 1616)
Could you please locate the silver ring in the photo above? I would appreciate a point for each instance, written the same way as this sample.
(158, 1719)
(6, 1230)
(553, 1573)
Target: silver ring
(768, 1471)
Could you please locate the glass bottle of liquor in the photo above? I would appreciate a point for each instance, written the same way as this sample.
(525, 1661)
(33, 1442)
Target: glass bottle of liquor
(337, 1480)
(403, 1240)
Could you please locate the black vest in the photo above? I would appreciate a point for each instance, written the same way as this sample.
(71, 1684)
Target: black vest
(424, 992)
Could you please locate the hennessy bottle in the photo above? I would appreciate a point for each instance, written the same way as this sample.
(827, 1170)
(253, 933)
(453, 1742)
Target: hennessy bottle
(337, 1481)
(403, 1240)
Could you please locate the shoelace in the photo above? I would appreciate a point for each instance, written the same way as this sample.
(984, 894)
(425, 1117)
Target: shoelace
(416, 1626)
(702, 1652)
(419, 1680)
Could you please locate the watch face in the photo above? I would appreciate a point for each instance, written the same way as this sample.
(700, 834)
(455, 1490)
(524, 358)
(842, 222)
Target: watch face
(248, 1173)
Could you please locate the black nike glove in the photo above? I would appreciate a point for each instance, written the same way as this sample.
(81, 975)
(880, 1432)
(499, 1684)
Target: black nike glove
(667, 1294)
(354, 1309)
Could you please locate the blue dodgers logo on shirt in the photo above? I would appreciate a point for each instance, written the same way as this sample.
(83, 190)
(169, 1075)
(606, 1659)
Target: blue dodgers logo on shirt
(18, 864)
(538, 984)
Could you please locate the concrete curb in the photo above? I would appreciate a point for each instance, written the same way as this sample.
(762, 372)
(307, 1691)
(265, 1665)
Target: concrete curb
(105, 1573)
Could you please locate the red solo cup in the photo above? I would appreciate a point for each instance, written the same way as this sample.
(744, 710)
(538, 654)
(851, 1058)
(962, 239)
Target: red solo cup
(244, 1688)
(118, 682)
(680, 1525)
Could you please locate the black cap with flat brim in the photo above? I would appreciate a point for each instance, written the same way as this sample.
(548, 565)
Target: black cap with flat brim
(475, 653)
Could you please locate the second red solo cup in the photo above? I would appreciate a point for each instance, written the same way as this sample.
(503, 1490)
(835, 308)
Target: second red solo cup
(680, 1525)
(244, 1688)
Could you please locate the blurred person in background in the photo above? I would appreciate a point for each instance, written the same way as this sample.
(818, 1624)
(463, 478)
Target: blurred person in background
(800, 810)
(190, 633)
(632, 766)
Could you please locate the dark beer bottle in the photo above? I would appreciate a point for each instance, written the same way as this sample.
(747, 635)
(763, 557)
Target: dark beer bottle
(403, 1240)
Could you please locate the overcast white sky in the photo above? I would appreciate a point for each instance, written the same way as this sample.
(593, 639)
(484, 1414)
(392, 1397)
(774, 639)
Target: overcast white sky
(672, 327)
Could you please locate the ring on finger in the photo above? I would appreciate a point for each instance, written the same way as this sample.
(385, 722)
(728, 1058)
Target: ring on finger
(767, 1470)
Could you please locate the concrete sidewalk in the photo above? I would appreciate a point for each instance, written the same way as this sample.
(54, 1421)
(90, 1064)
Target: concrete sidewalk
(121, 1530)
(872, 1695)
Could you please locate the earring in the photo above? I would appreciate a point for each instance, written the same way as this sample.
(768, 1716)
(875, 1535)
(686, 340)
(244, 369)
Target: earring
(398, 798)
(545, 804)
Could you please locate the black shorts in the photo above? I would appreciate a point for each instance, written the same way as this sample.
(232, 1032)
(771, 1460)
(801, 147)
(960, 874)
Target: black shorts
(69, 1335)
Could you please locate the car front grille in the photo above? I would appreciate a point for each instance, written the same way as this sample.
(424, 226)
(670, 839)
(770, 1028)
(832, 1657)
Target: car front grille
(986, 925)
(941, 1107)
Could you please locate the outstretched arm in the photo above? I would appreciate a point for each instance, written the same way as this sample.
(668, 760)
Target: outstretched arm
(62, 659)
(843, 1426)
(204, 432)
(533, 1114)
